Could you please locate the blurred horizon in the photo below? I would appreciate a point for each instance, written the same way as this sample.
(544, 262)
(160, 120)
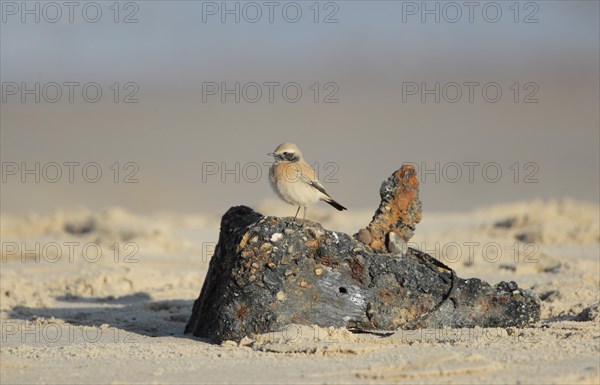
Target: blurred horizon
(186, 148)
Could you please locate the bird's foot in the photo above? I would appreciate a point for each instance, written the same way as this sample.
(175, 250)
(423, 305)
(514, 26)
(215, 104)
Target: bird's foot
(296, 225)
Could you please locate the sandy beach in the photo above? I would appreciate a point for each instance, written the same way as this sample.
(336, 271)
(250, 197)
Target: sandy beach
(103, 297)
(128, 128)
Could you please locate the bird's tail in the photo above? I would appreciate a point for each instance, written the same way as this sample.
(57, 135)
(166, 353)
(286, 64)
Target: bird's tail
(336, 205)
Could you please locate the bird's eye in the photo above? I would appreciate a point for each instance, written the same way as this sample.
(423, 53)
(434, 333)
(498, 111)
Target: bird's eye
(285, 153)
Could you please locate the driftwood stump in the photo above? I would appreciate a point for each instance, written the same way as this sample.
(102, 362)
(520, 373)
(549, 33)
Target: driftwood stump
(267, 273)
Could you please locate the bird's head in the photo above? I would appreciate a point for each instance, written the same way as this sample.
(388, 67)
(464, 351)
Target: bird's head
(287, 152)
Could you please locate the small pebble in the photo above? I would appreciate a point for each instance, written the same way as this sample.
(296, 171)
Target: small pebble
(265, 247)
(276, 237)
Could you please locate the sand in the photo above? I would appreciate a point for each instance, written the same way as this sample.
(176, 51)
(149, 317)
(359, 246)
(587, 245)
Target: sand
(103, 297)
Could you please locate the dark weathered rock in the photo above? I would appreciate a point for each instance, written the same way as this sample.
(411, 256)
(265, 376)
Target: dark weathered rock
(267, 273)
(590, 313)
(399, 212)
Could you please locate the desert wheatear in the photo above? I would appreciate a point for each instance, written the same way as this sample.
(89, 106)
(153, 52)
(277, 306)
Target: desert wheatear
(295, 181)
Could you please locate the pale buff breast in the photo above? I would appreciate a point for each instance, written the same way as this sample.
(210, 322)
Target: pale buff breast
(286, 180)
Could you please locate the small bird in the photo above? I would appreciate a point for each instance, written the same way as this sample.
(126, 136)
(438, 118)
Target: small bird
(295, 181)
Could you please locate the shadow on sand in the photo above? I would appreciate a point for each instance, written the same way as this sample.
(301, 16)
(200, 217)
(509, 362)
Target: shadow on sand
(135, 313)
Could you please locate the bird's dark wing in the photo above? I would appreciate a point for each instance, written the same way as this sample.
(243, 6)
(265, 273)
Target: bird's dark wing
(317, 185)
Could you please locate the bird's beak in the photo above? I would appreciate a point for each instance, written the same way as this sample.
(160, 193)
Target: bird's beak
(271, 154)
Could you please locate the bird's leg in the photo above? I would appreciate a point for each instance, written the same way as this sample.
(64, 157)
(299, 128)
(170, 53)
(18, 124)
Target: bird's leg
(303, 215)
(297, 211)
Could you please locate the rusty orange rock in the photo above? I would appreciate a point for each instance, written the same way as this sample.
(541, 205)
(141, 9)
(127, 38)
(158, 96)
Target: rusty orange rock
(398, 213)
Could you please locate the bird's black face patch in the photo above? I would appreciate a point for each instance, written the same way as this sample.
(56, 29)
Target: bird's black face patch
(288, 156)
(291, 156)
